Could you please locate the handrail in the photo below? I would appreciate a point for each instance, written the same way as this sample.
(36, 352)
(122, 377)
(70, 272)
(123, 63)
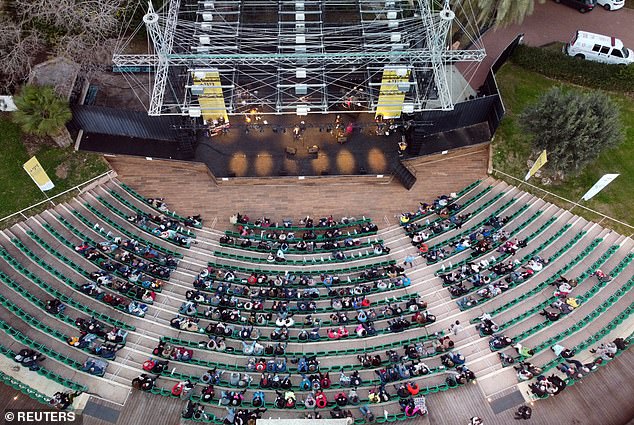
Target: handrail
(21, 212)
(574, 204)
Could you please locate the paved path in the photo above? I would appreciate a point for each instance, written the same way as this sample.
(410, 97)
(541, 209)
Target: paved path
(549, 23)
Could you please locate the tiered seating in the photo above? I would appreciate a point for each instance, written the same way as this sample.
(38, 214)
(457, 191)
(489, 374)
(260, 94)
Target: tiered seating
(24, 388)
(498, 281)
(49, 374)
(45, 258)
(162, 208)
(348, 279)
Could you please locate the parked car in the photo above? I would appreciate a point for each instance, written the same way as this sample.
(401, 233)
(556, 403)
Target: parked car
(599, 48)
(582, 6)
(611, 4)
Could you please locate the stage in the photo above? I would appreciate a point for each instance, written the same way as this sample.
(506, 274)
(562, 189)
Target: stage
(300, 146)
(285, 145)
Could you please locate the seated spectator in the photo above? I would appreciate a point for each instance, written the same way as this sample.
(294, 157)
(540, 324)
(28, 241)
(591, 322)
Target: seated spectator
(523, 351)
(551, 315)
(606, 350)
(63, 400)
(500, 341)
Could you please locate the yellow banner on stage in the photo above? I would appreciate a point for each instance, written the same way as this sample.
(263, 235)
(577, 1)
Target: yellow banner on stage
(37, 173)
(539, 163)
(212, 101)
(391, 98)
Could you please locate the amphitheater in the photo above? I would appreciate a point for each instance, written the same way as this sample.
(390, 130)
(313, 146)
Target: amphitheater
(41, 261)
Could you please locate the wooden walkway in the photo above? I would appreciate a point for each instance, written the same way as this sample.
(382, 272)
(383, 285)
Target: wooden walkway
(142, 408)
(192, 191)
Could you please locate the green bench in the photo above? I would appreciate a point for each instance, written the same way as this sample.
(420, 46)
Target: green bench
(65, 299)
(142, 199)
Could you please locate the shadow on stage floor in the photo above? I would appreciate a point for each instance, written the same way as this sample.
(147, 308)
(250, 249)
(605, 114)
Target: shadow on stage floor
(272, 148)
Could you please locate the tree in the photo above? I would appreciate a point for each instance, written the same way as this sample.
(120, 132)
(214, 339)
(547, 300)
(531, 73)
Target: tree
(84, 31)
(41, 111)
(573, 127)
(17, 49)
(497, 12)
(75, 16)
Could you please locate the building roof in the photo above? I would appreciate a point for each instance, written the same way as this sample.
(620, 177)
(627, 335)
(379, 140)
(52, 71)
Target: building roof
(59, 72)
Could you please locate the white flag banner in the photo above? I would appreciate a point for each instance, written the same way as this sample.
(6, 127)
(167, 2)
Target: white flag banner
(599, 185)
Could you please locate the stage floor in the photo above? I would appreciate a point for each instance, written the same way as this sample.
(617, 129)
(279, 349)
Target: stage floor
(273, 149)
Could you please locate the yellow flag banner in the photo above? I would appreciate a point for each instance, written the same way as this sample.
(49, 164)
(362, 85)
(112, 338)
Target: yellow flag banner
(391, 94)
(539, 163)
(211, 100)
(37, 173)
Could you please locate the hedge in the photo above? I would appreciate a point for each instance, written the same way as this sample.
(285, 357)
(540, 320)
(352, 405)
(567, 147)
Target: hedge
(556, 64)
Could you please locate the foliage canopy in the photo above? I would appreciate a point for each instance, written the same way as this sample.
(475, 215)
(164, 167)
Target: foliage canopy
(573, 127)
(41, 111)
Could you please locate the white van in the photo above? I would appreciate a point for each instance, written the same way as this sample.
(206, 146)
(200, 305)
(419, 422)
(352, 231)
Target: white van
(599, 48)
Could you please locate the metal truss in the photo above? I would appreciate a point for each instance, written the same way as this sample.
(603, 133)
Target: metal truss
(291, 56)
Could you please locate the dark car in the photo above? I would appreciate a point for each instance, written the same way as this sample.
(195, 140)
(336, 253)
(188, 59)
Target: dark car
(582, 6)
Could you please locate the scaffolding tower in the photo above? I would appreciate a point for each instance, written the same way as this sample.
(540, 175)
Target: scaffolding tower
(214, 59)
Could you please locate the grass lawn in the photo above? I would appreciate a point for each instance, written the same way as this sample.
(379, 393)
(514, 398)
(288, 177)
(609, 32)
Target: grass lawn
(511, 149)
(18, 191)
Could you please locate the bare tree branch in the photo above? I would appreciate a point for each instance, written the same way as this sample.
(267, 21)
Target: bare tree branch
(74, 16)
(89, 51)
(17, 50)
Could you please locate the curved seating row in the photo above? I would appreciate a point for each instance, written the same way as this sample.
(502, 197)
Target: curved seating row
(112, 257)
(255, 260)
(268, 237)
(335, 225)
(582, 298)
(122, 306)
(474, 228)
(150, 226)
(46, 373)
(449, 267)
(412, 230)
(293, 250)
(24, 388)
(519, 263)
(144, 282)
(124, 231)
(576, 326)
(341, 271)
(583, 254)
(596, 337)
(420, 215)
(138, 250)
(139, 197)
(56, 294)
(183, 231)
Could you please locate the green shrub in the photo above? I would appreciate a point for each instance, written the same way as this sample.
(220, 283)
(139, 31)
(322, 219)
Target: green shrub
(558, 65)
(573, 126)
